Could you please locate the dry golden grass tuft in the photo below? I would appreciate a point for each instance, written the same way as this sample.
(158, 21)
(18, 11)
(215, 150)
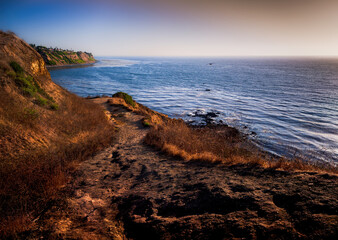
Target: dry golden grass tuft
(219, 144)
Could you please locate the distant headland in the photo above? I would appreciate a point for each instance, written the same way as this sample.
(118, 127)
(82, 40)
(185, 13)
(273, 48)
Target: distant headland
(61, 57)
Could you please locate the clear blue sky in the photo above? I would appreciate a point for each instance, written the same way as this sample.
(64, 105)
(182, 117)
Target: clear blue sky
(177, 28)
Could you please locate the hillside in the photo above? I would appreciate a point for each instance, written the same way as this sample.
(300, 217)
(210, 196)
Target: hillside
(43, 128)
(59, 57)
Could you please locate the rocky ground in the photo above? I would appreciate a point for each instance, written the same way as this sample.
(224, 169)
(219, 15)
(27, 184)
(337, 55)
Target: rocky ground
(132, 191)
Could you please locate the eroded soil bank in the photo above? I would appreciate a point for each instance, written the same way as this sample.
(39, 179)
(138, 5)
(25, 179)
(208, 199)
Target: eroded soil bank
(132, 191)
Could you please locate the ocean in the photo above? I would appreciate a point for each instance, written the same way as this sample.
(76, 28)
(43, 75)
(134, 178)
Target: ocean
(287, 106)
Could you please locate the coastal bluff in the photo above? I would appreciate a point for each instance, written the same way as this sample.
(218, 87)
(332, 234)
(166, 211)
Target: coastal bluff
(62, 57)
(111, 168)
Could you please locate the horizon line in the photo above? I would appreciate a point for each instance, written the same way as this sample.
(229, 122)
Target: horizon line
(225, 56)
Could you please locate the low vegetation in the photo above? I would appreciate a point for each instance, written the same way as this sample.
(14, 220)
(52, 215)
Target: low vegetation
(56, 56)
(127, 98)
(30, 88)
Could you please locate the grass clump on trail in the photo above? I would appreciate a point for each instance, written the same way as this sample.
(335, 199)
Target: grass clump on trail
(127, 98)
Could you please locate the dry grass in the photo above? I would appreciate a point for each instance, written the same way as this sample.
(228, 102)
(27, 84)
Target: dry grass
(37, 149)
(219, 144)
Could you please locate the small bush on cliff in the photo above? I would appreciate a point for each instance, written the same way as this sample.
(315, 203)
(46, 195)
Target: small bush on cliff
(16, 67)
(40, 101)
(54, 106)
(51, 62)
(31, 114)
(127, 98)
(29, 87)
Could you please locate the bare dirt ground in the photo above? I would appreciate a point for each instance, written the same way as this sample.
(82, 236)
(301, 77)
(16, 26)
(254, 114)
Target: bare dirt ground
(132, 191)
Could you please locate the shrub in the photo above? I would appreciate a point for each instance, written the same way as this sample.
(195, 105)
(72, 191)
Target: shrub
(28, 92)
(127, 98)
(40, 101)
(79, 61)
(54, 106)
(51, 62)
(16, 67)
(31, 113)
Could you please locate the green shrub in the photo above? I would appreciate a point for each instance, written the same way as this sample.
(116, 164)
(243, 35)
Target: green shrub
(16, 67)
(31, 113)
(25, 82)
(80, 61)
(54, 106)
(127, 98)
(40, 101)
(51, 62)
(28, 92)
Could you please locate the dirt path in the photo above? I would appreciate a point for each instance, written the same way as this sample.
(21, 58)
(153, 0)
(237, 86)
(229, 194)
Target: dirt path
(131, 191)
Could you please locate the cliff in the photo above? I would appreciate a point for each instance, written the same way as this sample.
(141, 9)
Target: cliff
(43, 128)
(59, 57)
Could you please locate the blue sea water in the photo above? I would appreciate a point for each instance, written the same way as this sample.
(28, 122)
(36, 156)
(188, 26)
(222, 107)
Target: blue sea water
(288, 106)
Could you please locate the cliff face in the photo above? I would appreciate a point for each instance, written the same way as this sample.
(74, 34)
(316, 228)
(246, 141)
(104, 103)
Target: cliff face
(30, 102)
(59, 57)
(13, 48)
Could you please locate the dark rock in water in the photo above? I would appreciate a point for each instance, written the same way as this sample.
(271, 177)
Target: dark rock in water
(211, 115)
(207, 90)
(206, 117)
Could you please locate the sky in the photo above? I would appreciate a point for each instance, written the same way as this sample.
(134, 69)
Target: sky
(177, 27)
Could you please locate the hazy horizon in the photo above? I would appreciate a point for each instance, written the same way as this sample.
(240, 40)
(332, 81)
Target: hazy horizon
(142, 28)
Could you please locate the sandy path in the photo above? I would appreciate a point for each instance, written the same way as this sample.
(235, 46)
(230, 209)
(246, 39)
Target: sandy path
(132, 191)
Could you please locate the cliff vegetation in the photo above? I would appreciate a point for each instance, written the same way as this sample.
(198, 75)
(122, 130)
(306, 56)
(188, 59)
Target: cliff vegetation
(59, 57)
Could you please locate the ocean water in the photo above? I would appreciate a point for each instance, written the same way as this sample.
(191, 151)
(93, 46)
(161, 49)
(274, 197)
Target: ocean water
(288, 106)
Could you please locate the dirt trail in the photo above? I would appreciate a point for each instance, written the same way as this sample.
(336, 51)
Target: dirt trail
(131, 191)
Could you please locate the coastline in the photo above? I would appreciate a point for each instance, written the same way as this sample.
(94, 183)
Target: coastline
(109, 167)
(282, 126)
